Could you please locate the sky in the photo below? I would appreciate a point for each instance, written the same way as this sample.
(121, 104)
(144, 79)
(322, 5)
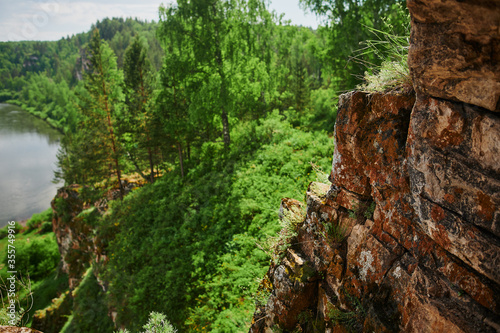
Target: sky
(55, 19)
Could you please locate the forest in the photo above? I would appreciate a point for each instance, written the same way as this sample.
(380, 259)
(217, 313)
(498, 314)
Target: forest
(193, 129)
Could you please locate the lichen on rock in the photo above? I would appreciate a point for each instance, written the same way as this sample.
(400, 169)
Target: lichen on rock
(427, 257)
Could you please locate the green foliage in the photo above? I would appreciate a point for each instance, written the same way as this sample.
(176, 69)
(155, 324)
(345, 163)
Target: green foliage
(368, 213)
(46, 290)
(100, 109)
(14, 308)
(347, 24)
(90, 311)
(5, 230)
(348, 319)
(42, 76)
(352, 320)
(289, 220)
(353, 213)
(205, 227)
(321, 176)
(46, 227)
(214, 48)
(261, 297)
(36, 221)
(335, 232)
(158, 323)
(241, 106)
(137, 123)
(362, 209)
(392, 51)
(37, 281)
(37, 258)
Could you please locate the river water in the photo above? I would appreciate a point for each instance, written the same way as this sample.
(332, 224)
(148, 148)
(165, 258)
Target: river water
(28, 148)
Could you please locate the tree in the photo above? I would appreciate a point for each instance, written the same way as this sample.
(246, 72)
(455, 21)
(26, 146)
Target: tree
(348, 24)
(100, 110)
(213, 40)
(138, 83)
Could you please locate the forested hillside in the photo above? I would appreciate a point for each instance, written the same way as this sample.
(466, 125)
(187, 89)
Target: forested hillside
(181, 139)
(43, 77)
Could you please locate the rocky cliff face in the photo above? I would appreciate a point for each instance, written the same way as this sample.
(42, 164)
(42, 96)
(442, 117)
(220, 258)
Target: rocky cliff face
(406, 238)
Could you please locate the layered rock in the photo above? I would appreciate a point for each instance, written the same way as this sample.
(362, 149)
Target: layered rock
(74, 223)
(455, 50)
(406, 238)
(73, 237)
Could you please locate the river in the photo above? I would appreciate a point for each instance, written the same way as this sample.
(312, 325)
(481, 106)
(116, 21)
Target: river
(28, 149)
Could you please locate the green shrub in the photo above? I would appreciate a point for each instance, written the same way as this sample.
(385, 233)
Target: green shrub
(46, 227)
(205, 227)
(289, 221)
(90, 311)
(335, 232)
(157, 323)
(4, 232)
(37, 258)
(38, 219)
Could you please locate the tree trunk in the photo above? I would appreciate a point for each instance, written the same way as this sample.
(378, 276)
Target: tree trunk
(179, 148)
(225, 129)
(151, 166)
(134, 162)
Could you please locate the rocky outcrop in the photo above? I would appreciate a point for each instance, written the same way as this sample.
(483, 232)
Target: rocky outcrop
(74, 222)
(53, 317)
(455, 50)
(73, 237)
(406, 238)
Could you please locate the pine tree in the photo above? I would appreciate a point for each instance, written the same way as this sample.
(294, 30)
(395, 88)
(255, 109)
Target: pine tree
(137, 120)
(100, 110)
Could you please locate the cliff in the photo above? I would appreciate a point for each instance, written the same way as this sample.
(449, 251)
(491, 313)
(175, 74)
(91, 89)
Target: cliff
(406, 238)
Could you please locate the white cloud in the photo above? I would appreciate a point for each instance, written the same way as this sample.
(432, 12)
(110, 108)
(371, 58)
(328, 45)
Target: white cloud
(54, 19)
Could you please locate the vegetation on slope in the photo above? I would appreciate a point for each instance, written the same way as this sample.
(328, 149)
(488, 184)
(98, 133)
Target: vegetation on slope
(36, 261)
(220, 125)
(187, 246)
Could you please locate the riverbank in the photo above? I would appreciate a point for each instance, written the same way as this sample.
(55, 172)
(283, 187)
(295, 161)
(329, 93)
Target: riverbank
(28, 146)
(31, 110)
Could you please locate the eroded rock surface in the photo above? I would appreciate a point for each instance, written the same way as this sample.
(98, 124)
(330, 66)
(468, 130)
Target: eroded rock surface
(407, 236)
(73, 237)
(455, 50)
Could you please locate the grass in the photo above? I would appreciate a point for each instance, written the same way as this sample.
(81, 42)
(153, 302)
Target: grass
(291, 217)
(36, 221)
(362, 209)
(392, 51)
(321, 176)
(22, 238)
(44, 291)
(336, 232)
(352, 319)
(35, 294)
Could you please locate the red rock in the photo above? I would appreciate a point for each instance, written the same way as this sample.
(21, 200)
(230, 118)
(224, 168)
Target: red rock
(428, 258)
(455, 50)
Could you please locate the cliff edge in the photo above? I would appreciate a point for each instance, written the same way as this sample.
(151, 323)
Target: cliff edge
(406, 238)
